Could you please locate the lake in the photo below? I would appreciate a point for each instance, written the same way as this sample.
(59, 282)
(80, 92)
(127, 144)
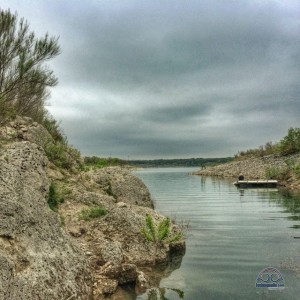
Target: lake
(234, 234)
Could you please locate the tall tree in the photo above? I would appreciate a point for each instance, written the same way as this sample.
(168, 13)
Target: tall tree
(24, 77)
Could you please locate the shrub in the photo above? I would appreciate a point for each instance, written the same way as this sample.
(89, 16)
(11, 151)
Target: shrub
(92, 213)
(290, 144)
(158, 234)
(280, 173)
(53, 198)
(296, 170)
(61, 155)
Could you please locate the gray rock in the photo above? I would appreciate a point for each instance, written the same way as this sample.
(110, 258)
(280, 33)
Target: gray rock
(112, 251)
(37, 258)
(123, 186)
(125, 273)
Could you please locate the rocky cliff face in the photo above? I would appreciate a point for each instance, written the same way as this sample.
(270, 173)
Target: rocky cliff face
(37, 258)
(61, 255)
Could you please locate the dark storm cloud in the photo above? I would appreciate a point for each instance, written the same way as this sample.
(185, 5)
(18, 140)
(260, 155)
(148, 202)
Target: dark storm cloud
(173, 78)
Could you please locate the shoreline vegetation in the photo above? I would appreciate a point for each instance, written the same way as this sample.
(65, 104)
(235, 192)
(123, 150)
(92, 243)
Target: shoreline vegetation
(100, 162)
(280, 161)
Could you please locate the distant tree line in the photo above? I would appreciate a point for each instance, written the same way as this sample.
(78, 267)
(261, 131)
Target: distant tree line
(101, 162)
(290, 144)
(183, 162)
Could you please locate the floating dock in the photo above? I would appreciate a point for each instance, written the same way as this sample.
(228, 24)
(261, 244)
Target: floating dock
(256, 183)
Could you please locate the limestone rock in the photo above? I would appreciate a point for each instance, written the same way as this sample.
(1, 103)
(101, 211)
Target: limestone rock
(142, 282)
(37, 259)
(111, 251)
(124, 273)
(123, 186)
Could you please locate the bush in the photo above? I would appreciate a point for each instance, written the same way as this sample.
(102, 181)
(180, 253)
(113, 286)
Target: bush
(61, 155)
(290, 144)
(279, 173)
(92, 213)
(160, 233)
(53, 200)
(296, 170)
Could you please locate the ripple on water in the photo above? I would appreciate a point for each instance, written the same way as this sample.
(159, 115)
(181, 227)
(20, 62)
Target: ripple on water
(234, 234)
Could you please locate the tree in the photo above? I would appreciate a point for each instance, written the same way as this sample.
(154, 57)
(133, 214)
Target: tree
(24, 78)
(290, 144)
(159, 234)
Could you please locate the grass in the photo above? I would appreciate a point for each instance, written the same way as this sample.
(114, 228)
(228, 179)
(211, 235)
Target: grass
(92, 213)
(54, 197)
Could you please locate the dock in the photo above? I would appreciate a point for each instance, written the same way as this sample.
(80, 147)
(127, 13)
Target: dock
(256, 183)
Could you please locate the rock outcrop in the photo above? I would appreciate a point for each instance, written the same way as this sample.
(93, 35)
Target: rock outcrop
(62, 255)
(37, 258)
(114, 243)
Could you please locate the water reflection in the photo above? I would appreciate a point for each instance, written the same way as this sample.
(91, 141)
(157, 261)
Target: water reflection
(235, 234)
(160, 293)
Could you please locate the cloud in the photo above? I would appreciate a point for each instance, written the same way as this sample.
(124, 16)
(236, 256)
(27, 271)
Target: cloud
(172, 78)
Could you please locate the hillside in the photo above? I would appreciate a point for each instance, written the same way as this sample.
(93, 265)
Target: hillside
(67, 233)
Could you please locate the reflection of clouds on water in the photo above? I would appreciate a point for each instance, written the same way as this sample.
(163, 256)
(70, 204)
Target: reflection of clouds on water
(233, 236)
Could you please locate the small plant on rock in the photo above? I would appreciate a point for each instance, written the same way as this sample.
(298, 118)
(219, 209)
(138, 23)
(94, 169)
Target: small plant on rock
(160, 233)
(92, 213)
(53, 198)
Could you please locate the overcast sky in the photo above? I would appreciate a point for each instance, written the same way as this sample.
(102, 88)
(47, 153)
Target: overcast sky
(171, 79)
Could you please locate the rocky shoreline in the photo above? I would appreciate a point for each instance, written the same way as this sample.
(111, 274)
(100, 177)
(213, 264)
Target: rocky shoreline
(257, 168)
(46, 254)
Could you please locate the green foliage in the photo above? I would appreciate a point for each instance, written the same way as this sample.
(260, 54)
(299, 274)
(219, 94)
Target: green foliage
(268, 149)
(100, 162)
(296, 170)
(92, 213)
(62, 155)
(54, 129)
(290, 144)
(285, 172)
(160, 233)
(294, 167)
(278, 173)
(24, 78)
(149, 230)
(56, 196)
(53, 200)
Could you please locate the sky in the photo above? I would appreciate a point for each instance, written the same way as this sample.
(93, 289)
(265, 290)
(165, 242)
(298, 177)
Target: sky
(171, 79)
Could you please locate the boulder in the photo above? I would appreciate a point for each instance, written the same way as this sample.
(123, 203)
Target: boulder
(122, 185)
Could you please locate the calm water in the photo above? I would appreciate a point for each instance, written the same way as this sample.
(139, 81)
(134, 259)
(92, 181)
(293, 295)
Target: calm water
(234, 235)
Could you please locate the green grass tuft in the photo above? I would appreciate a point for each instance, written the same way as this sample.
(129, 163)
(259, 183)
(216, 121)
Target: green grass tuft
(92, 213)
